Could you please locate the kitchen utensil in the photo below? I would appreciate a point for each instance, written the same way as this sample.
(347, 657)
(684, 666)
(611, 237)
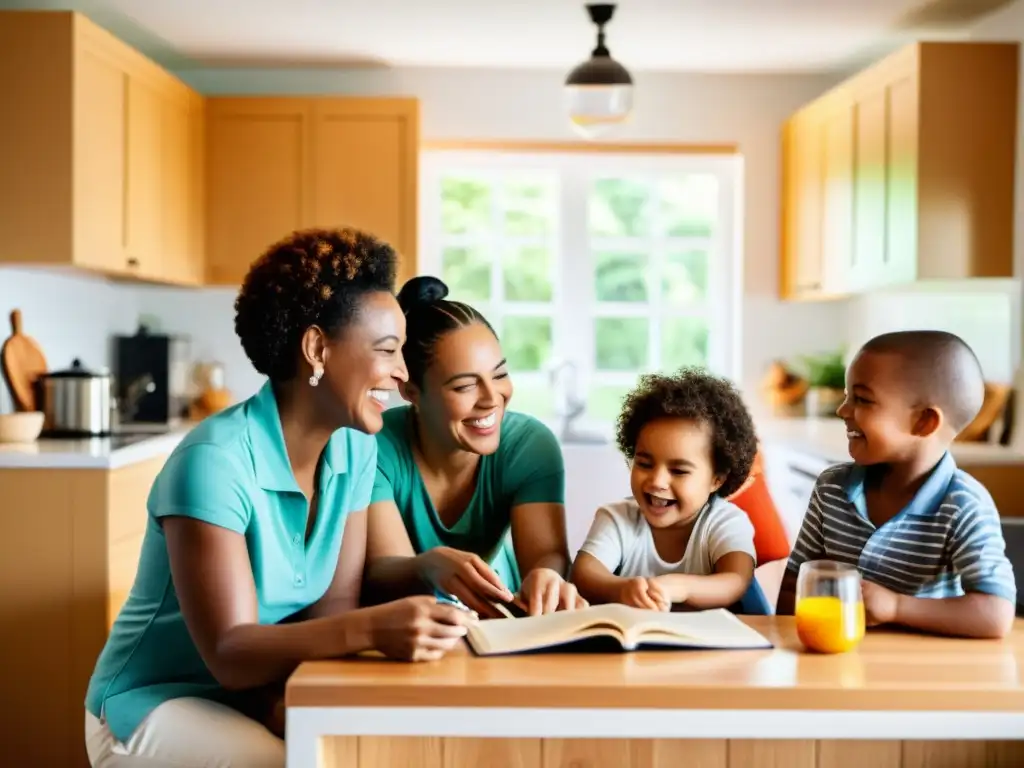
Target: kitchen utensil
(23, 427)
(23, 363)
(829, 606)
(996, 397)
(77, 402)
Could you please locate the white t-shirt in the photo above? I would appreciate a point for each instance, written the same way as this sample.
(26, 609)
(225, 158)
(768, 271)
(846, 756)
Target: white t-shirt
(621, 539)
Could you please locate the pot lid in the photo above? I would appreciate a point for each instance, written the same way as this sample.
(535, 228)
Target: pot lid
(77, 371)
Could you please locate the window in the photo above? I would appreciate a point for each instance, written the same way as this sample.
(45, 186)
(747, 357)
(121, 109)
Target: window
(592, 267)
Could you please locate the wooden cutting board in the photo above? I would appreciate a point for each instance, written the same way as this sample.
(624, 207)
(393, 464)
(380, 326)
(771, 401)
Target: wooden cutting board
(23, 362)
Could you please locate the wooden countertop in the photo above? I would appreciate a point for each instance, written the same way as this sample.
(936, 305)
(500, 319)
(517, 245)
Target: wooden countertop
(890, 671)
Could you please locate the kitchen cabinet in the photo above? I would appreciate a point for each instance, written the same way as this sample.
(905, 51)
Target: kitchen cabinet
(100, 154)
(903, 173)
(276, 164)
(70, 540)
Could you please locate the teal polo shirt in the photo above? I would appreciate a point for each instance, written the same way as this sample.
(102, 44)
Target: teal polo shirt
(232, 471)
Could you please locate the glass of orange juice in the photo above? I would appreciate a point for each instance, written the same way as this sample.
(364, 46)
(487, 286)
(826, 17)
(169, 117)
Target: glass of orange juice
(829, 606)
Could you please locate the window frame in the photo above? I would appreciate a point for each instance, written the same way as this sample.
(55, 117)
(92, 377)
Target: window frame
(575, 172)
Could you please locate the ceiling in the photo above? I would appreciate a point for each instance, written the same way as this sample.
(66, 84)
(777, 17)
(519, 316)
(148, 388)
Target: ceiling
(665, 35)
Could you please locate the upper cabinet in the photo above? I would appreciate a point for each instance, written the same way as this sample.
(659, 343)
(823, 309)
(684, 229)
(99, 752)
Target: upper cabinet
(904, 172)
(279, 164)
(100, 154)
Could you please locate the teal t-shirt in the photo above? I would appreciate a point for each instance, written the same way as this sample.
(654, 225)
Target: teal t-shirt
(527, 468)
(232, 470)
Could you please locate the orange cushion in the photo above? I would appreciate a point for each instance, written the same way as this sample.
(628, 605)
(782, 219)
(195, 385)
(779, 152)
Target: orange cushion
(770, 539)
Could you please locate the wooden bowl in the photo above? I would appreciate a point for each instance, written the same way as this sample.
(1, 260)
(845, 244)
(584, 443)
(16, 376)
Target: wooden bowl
(21, 427)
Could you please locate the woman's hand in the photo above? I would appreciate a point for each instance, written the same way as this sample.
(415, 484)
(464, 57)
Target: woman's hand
(467, 577)
(545, 591)
(417, 628)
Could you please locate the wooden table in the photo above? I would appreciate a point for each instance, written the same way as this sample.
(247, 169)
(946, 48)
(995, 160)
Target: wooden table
(899, 700)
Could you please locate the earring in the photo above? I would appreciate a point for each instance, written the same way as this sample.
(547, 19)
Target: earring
(318, 373)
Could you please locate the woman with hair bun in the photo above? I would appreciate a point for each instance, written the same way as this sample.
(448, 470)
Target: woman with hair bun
(457, 472)
(255, 540)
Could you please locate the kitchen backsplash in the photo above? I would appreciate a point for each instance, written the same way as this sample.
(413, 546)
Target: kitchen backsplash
(70, 315)
(985, 313)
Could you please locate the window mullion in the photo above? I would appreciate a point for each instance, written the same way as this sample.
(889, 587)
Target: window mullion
(655, 276)
(577, 274)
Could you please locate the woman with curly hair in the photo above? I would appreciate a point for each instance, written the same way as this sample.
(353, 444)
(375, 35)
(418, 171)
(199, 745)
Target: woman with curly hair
(457, 472)
(691, 443)
(256, 534)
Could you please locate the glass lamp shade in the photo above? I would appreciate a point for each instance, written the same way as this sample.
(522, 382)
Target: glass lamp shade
(598, 96)
(594, 110)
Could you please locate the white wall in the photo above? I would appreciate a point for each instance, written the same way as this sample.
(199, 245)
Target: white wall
(68, 314)
(984, 313)
(747, 110)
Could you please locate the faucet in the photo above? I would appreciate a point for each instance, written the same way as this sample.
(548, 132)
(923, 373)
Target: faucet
(570, 404)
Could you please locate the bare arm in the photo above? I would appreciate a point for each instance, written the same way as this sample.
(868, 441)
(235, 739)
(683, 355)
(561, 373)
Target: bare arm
(733, 572)
(974, 615)
(393, 569)
(786, 604)
(594, 581)
(538, 535)
(213, 580)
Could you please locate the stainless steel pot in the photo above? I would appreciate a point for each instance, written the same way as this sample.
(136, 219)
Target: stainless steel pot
(76, 402)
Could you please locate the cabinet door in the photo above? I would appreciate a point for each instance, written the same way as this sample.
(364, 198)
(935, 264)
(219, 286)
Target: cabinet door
(366, 154)
(837, 207)
(869, 190)
(258, 181)
(176, 263)
(128, 490)
(802, 268)
(145, 178)
(901, 182)
(100, 101)
(196, 242)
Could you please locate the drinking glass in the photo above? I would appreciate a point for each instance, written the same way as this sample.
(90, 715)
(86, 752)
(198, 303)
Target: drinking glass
(829, 606)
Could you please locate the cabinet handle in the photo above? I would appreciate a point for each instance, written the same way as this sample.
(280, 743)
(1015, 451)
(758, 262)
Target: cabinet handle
(133, 262)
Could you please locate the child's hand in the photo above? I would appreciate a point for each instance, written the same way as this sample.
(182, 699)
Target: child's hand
(880, 604)
(658, 591)
(636, 592)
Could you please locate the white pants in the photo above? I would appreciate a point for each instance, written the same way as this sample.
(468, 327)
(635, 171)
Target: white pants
(186, 733)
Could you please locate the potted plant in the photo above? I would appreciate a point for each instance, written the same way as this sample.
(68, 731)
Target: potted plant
(826, 380)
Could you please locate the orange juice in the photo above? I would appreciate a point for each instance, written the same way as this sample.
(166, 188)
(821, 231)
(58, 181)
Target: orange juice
(828, 625)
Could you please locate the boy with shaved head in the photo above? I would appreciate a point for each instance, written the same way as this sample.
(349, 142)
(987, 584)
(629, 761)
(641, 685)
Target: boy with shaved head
(924, 535)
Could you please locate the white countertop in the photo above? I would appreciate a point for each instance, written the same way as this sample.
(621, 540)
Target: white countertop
(89, 453)
(826, 438)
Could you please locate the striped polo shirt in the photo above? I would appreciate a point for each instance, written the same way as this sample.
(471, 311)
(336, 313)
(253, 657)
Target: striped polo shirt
(946, 542)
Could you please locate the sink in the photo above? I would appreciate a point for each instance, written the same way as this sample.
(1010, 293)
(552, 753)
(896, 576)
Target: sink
(582, 438)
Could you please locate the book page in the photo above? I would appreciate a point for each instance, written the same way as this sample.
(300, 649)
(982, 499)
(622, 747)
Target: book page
(511, 635)
(631, 626)
(715, 628)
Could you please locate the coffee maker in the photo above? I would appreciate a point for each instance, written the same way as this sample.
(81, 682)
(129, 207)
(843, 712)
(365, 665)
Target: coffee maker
(152, 375)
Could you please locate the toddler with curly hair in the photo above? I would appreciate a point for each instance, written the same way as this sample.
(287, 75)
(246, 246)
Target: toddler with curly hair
(691, 443)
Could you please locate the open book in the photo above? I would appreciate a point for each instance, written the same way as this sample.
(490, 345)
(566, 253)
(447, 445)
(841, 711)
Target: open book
(631, 627)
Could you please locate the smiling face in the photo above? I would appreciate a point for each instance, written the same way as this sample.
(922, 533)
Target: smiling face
(881, 418)
(363, 365)
(672, 475)
(466, 389)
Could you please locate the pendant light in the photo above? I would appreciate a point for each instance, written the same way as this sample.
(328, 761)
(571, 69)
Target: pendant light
(599, 92)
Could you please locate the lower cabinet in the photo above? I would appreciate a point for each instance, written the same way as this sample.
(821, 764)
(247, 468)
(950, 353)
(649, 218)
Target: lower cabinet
(69, 548)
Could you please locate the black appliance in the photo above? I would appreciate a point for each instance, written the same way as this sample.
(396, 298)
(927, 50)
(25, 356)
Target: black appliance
(152, 377)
